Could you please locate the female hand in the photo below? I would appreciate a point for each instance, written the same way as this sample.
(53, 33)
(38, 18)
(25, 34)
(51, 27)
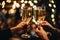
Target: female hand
(42, 33)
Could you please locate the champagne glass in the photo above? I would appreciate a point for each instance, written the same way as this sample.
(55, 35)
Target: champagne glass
(41, 14)
(28, 16)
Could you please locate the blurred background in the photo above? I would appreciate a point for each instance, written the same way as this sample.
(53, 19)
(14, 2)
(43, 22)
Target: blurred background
(14, 10)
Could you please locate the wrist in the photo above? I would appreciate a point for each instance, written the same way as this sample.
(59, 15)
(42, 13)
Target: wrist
(15, 28)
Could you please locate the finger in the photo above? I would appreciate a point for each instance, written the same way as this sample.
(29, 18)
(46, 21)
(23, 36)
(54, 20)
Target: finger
(41, 28)
(37, 30)
(44, 23)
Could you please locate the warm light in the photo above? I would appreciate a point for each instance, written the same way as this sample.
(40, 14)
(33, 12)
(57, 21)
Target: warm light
(53, 20)
(12, 11)
(13, 6)
(17, 5)
(52, 1)
(25, 1)
(9, 1)
(50, 5)
(22, 6)
(52, 16)
(34, 6)
(29, 2)
(54, 6)
(35, 1)
(3, 4)
(14, 2)
(22, 1)
(53, 10)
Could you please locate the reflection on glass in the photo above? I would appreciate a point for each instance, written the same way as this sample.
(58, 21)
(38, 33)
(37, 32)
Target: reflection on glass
(27, 14)
(39, 15)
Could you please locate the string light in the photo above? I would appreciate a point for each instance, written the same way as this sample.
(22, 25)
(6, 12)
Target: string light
(17, 5)
(22, 6)
(50, 5)
(34, 6)
(54, 6)
(26, 2)
(53, 20)
(35, 1)
(14, 2)
(52, 1)
(13, 6)
(3, 4)
(12, 11)
(52, 16)
(9, 1)
(53, 10)
(22, 1)
(31, 4)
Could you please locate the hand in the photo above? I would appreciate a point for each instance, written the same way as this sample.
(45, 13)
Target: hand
(21, 24)
(42, 33)
(45, 23)
(24, 22)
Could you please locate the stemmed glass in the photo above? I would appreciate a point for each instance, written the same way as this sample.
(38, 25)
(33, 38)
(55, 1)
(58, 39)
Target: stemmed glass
(28, 16)
(41, 14)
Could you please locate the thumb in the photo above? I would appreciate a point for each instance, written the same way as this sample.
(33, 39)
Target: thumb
(40, 28)
(36, 30)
